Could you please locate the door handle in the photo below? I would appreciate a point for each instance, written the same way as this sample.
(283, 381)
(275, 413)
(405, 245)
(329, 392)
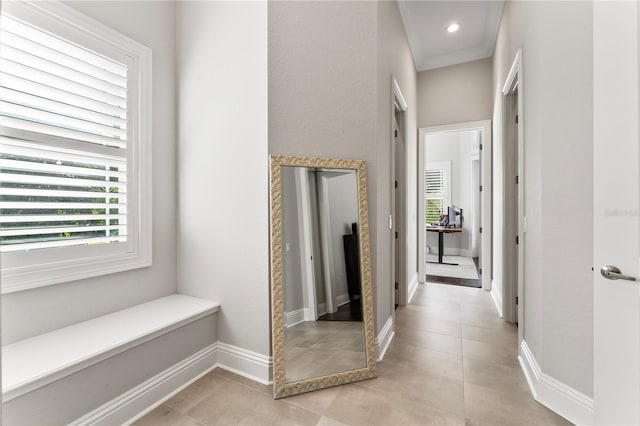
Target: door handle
(614, 273)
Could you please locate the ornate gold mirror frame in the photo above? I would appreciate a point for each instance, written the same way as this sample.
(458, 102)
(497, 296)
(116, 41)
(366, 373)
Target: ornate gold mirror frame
(282, 388)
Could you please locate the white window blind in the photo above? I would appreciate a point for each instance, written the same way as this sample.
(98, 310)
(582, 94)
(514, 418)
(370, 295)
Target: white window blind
(64, 181)
(435, 194)
(75, 147)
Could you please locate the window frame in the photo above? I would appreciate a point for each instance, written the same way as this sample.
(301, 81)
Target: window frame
(24, 270)
(446, 196)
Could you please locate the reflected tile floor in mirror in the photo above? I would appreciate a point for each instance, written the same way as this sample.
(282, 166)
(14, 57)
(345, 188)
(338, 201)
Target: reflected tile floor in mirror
(321, 348)
(453, 361)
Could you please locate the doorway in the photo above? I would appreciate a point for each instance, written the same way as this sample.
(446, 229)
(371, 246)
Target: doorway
(399, 185)
(397, 224)
(513, 220)
(455, 204)
(325, 215)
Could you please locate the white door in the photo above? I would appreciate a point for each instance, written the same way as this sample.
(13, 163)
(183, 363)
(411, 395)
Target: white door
(616, 219)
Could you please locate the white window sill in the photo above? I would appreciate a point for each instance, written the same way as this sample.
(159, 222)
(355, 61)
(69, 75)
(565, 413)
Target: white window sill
(32, 363)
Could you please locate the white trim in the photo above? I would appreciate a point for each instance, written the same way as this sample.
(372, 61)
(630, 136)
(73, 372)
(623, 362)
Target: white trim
(496, 297)
(413, 287)
(514, 81)
(557, 396)
(306, 243)
(246, 363)
(451, 251)
(342, 299)
(384, 338)
(27, 270)
(322, 309)
(135, 403)
(398, 95)
(466, 253)
(295, 317)
(399, 104)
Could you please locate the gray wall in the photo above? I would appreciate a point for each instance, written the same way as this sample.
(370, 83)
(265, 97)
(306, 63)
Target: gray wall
(223, 223)
(394, 60)
(330, 68)
(455, 94)
(29, 313)
(557, 120)
(322, 84)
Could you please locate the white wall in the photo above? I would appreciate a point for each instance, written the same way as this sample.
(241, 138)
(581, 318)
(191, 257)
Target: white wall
(557, 119)
(223, 220)
(455, 94)
(33, 312)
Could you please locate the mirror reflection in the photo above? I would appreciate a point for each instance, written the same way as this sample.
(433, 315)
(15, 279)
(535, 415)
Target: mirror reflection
(324, 329)
(321, 293)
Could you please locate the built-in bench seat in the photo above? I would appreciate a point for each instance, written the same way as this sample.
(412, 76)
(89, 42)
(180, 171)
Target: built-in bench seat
(38, 361)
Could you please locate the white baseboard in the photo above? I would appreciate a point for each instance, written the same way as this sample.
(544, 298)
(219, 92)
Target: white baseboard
(308, 315)
(557, 396)
(322, 308)
(246, 363)
(384, 338)
(342, 299)
(138, 401)
(294, 317)
(466, 252)
(497, 298)
(135, 403)
(413, 286)
(451, 251)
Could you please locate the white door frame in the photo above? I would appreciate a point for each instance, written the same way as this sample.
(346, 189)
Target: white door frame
(511, 311)
(399, 104)
(485, 180)
(616, 321)
(306, 244)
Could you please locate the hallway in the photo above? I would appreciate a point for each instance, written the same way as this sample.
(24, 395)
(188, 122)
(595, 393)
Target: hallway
(452, 361)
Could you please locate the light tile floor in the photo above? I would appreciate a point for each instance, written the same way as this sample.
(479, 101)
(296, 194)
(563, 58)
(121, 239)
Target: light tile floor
(452, 361)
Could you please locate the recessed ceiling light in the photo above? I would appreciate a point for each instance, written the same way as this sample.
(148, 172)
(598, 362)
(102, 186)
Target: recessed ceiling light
(452, 28)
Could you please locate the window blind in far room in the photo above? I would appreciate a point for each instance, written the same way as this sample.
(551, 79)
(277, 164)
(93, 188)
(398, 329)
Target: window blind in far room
(63, 171)
(435, 190)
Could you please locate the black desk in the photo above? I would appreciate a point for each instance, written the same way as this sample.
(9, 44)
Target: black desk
(441, 230)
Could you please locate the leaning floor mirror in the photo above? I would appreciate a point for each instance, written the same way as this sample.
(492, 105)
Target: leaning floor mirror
(321, 291)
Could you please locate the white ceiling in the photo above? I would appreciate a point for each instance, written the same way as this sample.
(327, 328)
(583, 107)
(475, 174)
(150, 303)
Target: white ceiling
(433, 47)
